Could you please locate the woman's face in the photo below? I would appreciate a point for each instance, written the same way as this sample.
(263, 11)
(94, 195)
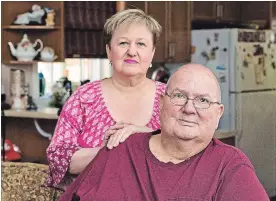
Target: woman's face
(131, 50)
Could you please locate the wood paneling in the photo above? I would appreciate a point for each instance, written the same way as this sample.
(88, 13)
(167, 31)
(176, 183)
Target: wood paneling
(22, 132)
(274, 9)
(158, 10)
(180, 28)
(174, 17)
(231, 10)
(258, 12)
(204, 10)
(136, 4)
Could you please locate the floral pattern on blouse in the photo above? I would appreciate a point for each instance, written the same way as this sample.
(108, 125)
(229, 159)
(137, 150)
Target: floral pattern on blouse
(82, 123)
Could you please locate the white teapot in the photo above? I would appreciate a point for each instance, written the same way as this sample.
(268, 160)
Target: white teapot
(25, 49)
(48, 54)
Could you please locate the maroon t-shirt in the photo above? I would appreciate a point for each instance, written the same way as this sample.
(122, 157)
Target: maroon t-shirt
(131, 172)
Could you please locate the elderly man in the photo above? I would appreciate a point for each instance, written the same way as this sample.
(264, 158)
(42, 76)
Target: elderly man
(182, 161)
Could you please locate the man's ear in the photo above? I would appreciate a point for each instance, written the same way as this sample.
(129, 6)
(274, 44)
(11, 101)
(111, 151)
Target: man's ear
(221, 110)
(220, 113)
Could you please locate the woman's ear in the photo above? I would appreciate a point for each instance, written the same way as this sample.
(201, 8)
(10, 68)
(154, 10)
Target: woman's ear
(161, 101)
(107, 48)
(153, 51)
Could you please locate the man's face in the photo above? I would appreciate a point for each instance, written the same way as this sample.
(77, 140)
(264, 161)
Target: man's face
(188, 122)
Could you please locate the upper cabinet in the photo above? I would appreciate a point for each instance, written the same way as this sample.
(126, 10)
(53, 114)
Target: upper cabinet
(179, 45)
(239, 13)
(84, 22)
(174, 17)
(40, 34)
(158, 10)
(78, 28)
(258, 12)
(229, 10)
(216, 10)
(274, 9)
(204, 10)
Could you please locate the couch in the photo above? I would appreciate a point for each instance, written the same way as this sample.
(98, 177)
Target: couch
(25, 182)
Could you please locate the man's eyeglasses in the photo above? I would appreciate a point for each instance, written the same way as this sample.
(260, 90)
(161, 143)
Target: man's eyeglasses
(178, 98)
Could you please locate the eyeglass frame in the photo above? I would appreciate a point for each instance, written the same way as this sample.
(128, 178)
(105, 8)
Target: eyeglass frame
(210, 102)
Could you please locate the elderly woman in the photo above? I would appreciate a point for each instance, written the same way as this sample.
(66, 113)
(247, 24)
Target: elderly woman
(106, 112)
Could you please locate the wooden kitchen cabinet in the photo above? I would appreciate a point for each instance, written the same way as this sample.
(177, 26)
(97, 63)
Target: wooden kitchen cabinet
(180, 35)
(158, 10)
(257, 12)
(274, 9)
(204, 10)
(174, 17)
(229, 10)
(246, 12)
(83, 28)
(51, 36)
(22, 132)
(216, 10)
(136, 4)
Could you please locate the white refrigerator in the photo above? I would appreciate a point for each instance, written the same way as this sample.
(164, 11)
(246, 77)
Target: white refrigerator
(244, 62)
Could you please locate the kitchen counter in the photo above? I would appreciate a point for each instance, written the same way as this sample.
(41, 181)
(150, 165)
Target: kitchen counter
(220, 134)
(43, 113)
(22, 128)
(51, 113)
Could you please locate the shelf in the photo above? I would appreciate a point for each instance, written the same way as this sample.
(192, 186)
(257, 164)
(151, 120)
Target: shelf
(14, 62)
(18, 27)
(41, 113)
(51, 36)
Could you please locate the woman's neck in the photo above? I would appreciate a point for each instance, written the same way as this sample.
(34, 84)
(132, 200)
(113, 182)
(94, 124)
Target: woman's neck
(131, 84)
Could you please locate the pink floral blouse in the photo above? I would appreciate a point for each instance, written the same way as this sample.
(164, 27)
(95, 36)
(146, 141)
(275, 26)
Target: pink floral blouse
(83, 121)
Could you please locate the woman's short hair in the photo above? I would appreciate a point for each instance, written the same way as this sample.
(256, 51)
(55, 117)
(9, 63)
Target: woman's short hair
(128, 17)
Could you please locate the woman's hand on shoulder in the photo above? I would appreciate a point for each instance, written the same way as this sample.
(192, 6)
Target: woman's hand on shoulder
(111, 131)
(121, 131)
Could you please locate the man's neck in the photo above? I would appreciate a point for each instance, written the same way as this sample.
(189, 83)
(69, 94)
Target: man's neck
(174, 150)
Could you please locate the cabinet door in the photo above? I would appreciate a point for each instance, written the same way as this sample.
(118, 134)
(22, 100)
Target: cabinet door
(257, 12)
(158, 10)
(179, 43)
(136, 4)
(230, 10)
(274, 9)
(204, 10)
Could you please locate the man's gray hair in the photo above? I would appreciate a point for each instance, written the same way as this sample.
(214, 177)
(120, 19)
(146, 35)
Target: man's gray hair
(128, 17)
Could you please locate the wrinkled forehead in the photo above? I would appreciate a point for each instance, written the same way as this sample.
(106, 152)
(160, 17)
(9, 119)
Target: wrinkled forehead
(195, 84)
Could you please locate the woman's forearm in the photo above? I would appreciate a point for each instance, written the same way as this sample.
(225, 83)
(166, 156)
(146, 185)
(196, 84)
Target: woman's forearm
(82, 158)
